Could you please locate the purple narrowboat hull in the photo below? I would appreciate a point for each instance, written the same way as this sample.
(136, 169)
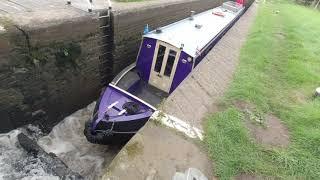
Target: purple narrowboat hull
(129, 100)
(117, 117)
(107, 137)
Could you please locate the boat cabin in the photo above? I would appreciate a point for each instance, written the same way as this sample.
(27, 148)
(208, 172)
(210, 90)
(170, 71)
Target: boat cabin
(168, 54)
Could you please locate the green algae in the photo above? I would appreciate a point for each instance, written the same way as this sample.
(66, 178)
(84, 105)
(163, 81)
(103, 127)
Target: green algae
(67, 54)
(133, 149)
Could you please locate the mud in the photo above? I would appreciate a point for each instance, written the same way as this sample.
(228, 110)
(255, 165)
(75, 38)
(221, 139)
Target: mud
(265, 129)
(272, 134)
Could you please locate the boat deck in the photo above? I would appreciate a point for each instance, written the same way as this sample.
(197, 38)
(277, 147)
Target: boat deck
(150, 94)
(141, 89)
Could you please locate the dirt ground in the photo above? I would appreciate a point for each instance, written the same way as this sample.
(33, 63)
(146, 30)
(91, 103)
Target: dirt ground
(267, 130)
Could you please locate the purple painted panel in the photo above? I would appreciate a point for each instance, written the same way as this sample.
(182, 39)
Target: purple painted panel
(145, 57)
(183, 69)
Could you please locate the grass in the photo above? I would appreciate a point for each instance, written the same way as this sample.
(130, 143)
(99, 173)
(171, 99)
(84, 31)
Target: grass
(278, 72)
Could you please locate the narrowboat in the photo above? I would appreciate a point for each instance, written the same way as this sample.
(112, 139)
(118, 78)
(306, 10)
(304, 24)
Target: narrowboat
(166, 56)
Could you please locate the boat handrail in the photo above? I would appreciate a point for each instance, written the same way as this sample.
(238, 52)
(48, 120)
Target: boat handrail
(133, 96)
(116, 79)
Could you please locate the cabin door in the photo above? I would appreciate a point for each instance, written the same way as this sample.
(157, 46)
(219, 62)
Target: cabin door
(164, 66)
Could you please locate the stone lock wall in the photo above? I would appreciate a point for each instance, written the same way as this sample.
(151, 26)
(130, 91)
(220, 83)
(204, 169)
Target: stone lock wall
(47, 73)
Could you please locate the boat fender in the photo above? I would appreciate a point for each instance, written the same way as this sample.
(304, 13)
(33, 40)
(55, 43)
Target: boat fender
(97, 138)
(131, 107)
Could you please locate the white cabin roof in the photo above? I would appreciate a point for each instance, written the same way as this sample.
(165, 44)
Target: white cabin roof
(195, 39)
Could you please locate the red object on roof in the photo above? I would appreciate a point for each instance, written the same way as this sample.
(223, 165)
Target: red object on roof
(240, 1)
(218, 14)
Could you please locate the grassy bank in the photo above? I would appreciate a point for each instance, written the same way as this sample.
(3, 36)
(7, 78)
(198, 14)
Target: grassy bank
(278, 72)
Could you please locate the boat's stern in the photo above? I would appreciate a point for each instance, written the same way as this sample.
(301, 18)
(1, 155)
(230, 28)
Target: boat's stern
(117, 117)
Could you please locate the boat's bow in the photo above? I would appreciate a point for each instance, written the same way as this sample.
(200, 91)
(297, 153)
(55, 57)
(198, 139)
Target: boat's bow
(119, 112)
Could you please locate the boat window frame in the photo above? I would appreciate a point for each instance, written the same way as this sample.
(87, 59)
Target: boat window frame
(167, 63)
(155, 68)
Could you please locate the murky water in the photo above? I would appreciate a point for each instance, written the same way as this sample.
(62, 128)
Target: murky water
(66, 140)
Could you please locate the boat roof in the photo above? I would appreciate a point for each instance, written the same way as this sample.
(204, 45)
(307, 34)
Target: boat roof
(194, 35)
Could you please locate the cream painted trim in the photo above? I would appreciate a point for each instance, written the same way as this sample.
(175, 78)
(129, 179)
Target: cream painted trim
(164, 79)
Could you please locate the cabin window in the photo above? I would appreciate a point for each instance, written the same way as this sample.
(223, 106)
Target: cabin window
(160, 55)
(170, 62)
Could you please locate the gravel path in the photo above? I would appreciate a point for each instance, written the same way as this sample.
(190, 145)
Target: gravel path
(198, 94)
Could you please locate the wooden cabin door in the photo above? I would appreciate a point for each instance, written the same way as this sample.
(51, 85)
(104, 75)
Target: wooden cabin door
(164, 64)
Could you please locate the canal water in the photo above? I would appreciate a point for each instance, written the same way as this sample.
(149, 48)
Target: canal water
(66, 140)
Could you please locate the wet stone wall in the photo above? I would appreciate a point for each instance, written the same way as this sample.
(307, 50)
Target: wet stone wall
(46, 73)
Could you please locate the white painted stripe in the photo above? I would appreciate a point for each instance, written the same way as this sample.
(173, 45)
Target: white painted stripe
(122, 112)
(133, 96)
(177, 124)
(113, 104)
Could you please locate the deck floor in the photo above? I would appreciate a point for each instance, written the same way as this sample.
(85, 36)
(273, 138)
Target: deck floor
(150, 94)
(144, 91)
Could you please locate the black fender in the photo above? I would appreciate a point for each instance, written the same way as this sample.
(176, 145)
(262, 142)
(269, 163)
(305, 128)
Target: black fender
(97, 138)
